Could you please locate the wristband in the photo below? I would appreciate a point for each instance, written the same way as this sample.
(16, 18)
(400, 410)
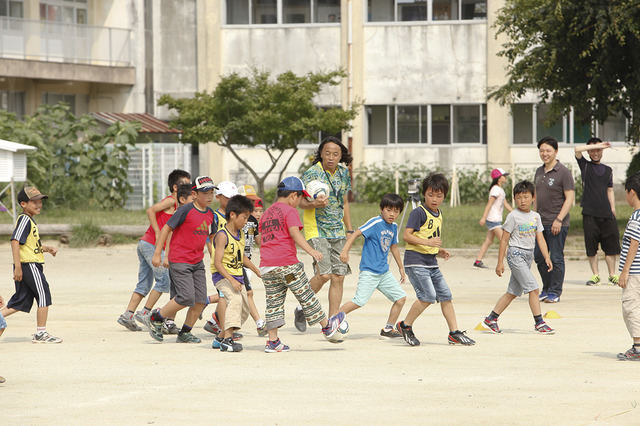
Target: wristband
(559, 220)
(350, 232)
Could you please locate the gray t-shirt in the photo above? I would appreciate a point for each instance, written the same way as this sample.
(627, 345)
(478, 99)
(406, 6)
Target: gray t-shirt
(523, 228)
(550, 187)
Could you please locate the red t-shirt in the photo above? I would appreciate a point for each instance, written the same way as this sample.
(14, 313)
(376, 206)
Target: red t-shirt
(161, 218)
(191, 227)
(278, 248)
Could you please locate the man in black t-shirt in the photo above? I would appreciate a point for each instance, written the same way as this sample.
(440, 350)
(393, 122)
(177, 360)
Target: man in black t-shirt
(598, 209)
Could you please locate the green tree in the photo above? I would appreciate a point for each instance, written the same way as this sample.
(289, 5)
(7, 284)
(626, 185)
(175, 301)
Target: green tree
(583, 54)
(74, 165)
(273, 114)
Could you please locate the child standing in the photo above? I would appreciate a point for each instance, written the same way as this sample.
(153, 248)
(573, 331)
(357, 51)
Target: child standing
(629, 267)
(281, 270)
(424, 243)
(492, 216)
(250, 234)
(158, 215)
(28, 260)
(521, 230)
(190, 226)
(380, 236)
(229, 262)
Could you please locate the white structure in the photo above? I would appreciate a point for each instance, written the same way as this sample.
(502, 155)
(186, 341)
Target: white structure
(13, 168)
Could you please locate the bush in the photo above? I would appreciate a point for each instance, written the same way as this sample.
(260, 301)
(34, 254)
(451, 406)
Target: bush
(634, 165)
(85, 235)
(370, 183)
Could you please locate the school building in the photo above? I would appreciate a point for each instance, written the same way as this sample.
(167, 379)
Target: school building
(421, 67)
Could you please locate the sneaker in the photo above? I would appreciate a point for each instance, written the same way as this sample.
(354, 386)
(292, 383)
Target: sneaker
(2, 379)
(630, 355)
(216, 343)
(237, 336)
(390, 334)
(613, 279)
(139, 316)
(594, 280)
(262, 331)
(491, 325)
(229, 345)
(299, 320)
(276, 346)
(334, 323)
(543, 328)
(552, 298)
(45, 338)
(543, 296)
(127, 323)
(155, 328)
(187, 338)
(211, 327)
(460, 338)
(407, 334)
(169, 327)
(479, 264)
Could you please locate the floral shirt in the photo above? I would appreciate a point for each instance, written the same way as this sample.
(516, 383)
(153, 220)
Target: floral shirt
(327, 222)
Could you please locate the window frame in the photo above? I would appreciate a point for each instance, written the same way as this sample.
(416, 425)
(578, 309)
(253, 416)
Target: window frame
(280, 16)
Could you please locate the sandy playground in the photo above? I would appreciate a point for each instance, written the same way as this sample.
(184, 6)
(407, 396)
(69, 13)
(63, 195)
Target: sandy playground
(103, 373)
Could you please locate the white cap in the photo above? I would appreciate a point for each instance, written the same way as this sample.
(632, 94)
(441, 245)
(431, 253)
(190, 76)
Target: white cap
(226, 188)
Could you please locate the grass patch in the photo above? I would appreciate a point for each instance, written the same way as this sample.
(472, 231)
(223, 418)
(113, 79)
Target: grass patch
(124, 239)
(85, 235)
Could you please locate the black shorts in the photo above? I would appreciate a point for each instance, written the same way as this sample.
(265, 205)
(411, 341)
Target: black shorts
(247, 284)
(601, 231)
(33, 286)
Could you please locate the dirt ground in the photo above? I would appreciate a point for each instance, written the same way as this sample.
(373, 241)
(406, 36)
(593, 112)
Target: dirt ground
(103, 373)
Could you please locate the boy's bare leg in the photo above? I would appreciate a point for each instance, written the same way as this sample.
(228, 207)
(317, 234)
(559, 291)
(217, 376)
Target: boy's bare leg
(41, 316)
(396, 308)
(171, 309)
(534, 302)
(335, 293)
(134, 302)
(273, 334)
(253, 310)
(192, 314)
(348, 307)
(318, 281)
(221, 310)
(153, 298)
(2, 331)
(593, 263)
(449, 314)
(505, 300)
(8, 311)
(416, 309)
(611, 264)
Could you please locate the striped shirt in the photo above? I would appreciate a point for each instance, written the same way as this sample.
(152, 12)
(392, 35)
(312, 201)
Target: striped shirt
(632, 231)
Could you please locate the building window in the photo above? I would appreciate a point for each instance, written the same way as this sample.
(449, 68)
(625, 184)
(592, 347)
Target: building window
(56, 98)
(12, 8)
(259, 12)
(64, 11)
(614, 129)
(425, 10)
(12, 102)
(426, 124)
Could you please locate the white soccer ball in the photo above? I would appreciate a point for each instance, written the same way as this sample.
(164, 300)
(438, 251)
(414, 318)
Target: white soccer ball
(340, 335)
(315, 188)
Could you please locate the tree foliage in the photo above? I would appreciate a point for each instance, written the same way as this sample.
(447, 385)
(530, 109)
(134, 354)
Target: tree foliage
(273, 114)
(583, 54)
(74, 164)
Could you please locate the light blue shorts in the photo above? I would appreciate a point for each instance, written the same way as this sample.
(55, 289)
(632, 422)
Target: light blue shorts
(386, 283)
(429, 284)
(492, 225)
(3, 322)
(147, 272)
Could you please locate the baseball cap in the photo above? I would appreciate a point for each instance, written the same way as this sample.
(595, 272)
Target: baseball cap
(228, 189)
(496, 173)
(203, 184)
(248, 191)
(293, 183)
(30, 193)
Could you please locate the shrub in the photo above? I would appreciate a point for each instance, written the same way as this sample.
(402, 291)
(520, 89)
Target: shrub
(85, 235)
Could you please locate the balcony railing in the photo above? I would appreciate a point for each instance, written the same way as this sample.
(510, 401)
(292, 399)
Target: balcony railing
(66, 43)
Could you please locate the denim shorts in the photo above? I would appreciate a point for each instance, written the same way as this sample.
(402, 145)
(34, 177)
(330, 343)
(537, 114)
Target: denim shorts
(386, 283)
(429, 284)
(492, 225)
(3, 322)
(147, 272)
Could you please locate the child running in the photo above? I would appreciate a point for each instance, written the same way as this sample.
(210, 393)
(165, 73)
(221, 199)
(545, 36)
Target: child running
(492, 216)
(229, 262)
(158, 215)
(280, 228)
(28, 264)
(423, 237)
(521, 230)
(190, 226)
(380, 236)
(629, 279)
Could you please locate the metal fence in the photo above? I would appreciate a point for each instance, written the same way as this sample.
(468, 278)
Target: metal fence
(149, 166)
(57, 42)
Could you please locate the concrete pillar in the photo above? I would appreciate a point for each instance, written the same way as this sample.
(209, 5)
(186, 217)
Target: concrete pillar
(353, 62)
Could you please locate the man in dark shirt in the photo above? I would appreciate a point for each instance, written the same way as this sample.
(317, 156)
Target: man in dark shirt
(598, 209)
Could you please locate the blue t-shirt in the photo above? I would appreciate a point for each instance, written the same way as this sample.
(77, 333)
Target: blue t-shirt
(379, 236)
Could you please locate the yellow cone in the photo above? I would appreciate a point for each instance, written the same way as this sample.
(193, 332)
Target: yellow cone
(479, 327)
(552, 315)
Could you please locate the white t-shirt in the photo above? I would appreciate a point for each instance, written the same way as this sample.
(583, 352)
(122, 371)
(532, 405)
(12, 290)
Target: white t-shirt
(523, 228)
(495, 212)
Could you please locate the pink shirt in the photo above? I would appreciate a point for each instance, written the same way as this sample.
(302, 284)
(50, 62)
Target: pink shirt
(278, 248)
